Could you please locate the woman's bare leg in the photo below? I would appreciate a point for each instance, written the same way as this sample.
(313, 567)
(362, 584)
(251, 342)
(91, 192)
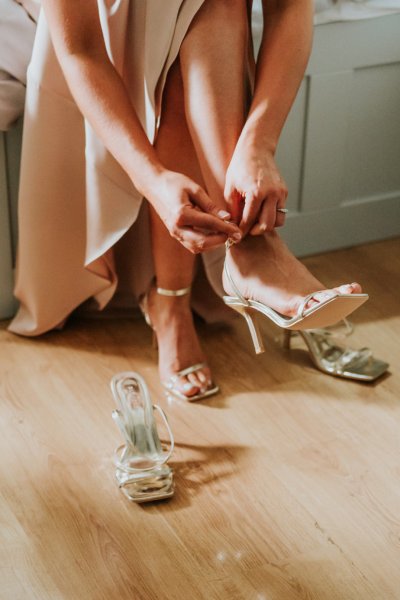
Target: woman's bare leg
(213, 60)
(178, 343)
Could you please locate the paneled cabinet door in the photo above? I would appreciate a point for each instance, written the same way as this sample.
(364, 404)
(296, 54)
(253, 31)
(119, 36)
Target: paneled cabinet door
(340, 148)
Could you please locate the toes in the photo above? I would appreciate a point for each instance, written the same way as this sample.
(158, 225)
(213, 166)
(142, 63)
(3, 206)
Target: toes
(187, 387)
(356, 288)
(320, 297)
(194, 383)
(195, 380)
(349, 288)
(201, 378)
(204, 376)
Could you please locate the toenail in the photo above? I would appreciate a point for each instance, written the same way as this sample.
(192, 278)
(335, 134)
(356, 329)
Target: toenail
(188, 386)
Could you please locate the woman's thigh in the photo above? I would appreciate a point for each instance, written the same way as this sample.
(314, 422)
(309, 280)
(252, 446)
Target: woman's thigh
(174, 144)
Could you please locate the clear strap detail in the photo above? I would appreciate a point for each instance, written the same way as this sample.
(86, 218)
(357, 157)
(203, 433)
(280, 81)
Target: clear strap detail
(121, 450)
(349, 358)
(302, 308)
(192, 369)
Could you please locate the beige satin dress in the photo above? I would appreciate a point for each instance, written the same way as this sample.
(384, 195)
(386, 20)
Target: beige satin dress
(83, 226)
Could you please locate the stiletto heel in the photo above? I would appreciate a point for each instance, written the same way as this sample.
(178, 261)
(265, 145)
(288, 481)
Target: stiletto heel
(251, 320)
(141, 469)
(170, 385)
(327, 312)
(333, 358)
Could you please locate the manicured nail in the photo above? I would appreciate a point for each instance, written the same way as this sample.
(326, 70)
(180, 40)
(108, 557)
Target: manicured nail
(224, 214)
(237, 236)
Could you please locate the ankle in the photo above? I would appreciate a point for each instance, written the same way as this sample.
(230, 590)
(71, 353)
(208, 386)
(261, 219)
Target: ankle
(165, 308)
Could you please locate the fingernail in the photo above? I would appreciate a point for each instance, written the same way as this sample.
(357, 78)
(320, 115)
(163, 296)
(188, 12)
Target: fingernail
(237, 236)
(224, 214)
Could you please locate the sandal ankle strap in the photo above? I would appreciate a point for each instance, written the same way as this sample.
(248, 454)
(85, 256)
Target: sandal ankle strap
(181, 292)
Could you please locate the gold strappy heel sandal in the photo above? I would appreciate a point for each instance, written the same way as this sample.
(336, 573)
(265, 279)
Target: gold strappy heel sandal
(170, 385)
(330, 355)
(327, 312)
(141, 463)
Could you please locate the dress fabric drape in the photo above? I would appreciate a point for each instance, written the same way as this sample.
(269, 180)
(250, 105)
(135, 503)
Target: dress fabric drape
(83, 226)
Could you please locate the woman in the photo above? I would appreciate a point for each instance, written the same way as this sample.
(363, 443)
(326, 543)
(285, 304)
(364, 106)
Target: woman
(175, 111)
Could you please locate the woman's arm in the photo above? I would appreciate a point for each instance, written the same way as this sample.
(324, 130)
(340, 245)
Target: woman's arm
(283, 56)
(282, 60)
(103, 99)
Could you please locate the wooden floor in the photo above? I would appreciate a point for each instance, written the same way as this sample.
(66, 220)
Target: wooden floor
(287, 483)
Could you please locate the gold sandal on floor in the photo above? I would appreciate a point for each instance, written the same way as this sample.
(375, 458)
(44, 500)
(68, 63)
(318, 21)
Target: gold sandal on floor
(141, 463)
(327, 312)
(170, 385)
(330, 356)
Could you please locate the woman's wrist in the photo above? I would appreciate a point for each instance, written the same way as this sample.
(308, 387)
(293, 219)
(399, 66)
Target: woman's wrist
(257, 135)
(146, 176)
(257, 142)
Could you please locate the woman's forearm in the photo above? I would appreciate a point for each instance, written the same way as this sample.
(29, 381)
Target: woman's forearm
(103, 99)
(282, 60)
(97, 87)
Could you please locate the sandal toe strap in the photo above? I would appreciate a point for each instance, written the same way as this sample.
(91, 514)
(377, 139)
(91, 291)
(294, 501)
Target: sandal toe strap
(171, 382)
(328, 296)
(191, 369)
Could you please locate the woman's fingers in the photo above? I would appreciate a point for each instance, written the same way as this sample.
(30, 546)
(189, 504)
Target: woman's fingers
(235, 201)
(190, 217)
(267, 217)
(259, 213)
(197, 242)
(280, 218)
(250, 212)
(199, 198)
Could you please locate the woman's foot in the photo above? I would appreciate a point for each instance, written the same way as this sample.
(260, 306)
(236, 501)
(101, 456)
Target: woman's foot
(178, 343)
(264, 269)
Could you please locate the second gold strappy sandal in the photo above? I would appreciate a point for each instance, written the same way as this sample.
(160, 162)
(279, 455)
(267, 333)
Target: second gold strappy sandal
(170, 385)
(331, 356)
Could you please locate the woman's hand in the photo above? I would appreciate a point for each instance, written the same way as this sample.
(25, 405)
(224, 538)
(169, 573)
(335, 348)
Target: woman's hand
(189, 213)
(254, 189)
